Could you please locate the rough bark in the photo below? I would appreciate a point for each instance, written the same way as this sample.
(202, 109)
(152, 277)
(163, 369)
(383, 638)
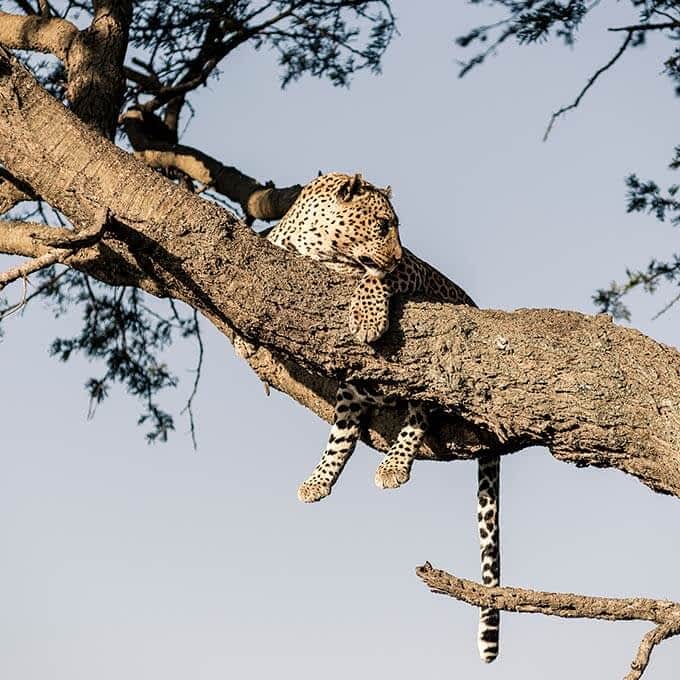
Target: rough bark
(37, 33)
(592, 392)
(95, 65)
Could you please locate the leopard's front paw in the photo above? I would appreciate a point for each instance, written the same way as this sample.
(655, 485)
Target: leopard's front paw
(367, 328)
(390, 475)
(313, 490)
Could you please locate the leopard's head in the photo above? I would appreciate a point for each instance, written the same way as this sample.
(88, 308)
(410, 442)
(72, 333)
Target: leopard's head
(350, 221)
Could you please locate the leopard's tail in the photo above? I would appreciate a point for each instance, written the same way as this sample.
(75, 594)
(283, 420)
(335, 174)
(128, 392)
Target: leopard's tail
(488, 494)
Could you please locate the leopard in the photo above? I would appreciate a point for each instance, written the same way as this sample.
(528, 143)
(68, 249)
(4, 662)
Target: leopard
(349, 225)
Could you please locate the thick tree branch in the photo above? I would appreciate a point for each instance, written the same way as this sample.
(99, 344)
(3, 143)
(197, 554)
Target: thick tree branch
(566, 605)
(256, 200)
(93, 58)
(592, 392)
(38, 33)
(95, 66)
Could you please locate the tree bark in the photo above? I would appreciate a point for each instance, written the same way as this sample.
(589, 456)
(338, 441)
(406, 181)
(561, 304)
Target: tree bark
(592, 392)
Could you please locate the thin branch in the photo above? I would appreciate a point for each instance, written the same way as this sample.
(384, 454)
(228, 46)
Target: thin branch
(656, 10)
(46, 245)
(15, 308)
(30, 267)
(26, 6)
(647, 27)
(666, 307)
(588, 85)
(12, 191)
(189, 408)
(566, 605)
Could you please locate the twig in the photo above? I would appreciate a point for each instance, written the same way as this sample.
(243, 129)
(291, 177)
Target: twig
(24, 270)
(566, 605)
(15, 308)
(588, 85)
(666, 307)
(189, 408)
(647, 27)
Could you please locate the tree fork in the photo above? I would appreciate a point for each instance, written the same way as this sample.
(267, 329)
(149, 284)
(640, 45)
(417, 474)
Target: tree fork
(592, 392)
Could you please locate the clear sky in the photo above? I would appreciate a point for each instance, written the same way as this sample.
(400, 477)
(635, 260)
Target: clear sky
(122, 560)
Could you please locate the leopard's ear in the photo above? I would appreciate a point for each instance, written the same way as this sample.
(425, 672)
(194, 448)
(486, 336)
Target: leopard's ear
(352, 187)
(386, 191)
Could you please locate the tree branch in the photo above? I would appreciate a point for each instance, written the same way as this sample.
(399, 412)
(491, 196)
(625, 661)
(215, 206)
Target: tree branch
(28, 268)
(38, 33)
(95, 66)
(257, 201)
(566, 605)
(647, 27)
(592, 392)
(12, 191)
(588, 85)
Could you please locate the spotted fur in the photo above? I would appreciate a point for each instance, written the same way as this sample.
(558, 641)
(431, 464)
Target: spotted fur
(350, 226)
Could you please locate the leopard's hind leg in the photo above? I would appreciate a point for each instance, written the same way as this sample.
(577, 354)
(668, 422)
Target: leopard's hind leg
(351, 403)
(395, 469)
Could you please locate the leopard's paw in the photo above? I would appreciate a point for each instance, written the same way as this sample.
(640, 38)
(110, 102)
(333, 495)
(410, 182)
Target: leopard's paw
(367, 328)
(390, 475)
(313, 490)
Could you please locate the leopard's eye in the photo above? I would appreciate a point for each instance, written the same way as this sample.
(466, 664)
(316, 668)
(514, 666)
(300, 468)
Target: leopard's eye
(383, 226)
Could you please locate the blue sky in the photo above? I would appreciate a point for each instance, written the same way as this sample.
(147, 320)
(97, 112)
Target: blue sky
(125, 560)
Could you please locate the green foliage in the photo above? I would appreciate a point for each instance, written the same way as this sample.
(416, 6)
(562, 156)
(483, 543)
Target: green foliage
(124, 332)
(121, 332)
(648, 197)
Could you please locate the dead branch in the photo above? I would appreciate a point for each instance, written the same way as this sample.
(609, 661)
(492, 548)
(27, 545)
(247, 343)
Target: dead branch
(665, 613)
